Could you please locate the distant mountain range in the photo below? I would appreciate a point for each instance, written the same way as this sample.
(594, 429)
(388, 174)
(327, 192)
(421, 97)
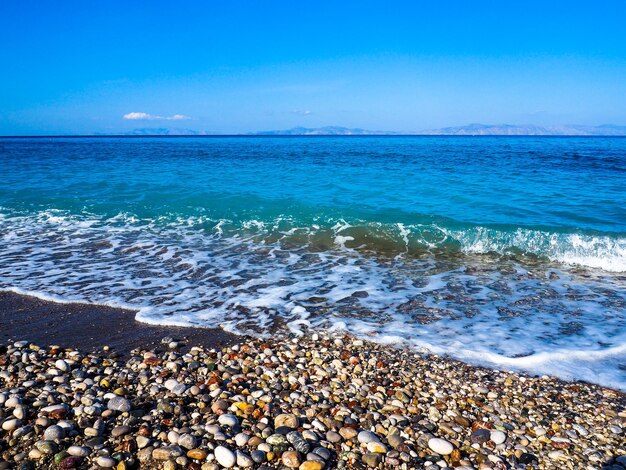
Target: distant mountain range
(470, 129)
(508, 129)
(162, 131)
(328, 130)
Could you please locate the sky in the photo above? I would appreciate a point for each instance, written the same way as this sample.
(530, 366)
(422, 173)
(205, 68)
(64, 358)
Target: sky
(82, 67)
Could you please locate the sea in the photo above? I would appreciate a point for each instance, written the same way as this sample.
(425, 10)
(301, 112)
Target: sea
(505, 252)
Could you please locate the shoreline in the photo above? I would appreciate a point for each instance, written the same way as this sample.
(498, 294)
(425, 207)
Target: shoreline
(320, 401)
(90, 327)
(81, 325)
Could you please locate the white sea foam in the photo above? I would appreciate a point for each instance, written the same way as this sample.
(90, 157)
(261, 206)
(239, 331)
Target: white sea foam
(594, 251)
(540, 317)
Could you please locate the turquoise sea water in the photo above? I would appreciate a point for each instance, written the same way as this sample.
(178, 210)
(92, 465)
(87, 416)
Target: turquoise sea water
(508, 252)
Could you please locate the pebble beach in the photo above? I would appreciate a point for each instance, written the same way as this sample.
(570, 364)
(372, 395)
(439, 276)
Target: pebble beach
(309, 403)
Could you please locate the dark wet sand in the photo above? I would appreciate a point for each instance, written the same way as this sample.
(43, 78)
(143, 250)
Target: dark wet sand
(91, 327)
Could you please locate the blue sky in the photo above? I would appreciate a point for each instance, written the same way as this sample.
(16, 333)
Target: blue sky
(236, 66)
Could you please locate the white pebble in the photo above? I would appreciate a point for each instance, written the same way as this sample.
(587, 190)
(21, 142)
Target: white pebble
(440, 446)
(225, 457)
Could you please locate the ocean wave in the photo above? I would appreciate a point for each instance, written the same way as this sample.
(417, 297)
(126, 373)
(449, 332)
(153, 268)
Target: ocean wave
(605, 251)
(429, 285)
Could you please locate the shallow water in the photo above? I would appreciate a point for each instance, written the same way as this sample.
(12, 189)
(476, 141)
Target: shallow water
(507, 252)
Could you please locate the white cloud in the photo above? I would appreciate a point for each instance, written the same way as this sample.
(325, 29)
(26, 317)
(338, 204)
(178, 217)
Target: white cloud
(302, 112)
(151, 117)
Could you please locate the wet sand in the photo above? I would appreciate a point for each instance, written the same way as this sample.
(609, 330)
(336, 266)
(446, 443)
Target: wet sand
(91, 327)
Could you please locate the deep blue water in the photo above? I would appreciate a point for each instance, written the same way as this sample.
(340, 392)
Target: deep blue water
(504, 251)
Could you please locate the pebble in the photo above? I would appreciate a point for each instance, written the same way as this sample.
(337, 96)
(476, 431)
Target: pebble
(243, 459)
(106, 462)
(303, 403)
(377, 447)
(119, 431)
(167, 452)
(54, 433)
(372, 460)
(242, 439)
(197, 454)
(286, 420)
(11, 424)
(258, 456)
(62, 365)
(311, 465)
(225, 457)
(497, 437)
(187, 441)
(228, 420)
(78, 451)
(291, 459)
(119, 404)
(440, 446)
(365, 437)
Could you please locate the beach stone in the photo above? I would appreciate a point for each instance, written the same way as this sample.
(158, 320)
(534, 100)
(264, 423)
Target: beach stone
(78, 451)
(167, 453)
(258, 456)
(291, 459)
(62, 365)
(310, 436)
(286, 420)
(241, 439)
(298, 442)
(172, 437)
(171, 384)
(557, 455)
(119, 431)
(365, 437)
(187, 441)
(243, 459)
(440, 446)
(311, 465)
(376, 447)
(54, 433)
(106, 462)
(119, 404)
(332, 436)
(220, 406)
(19, 412)
(225, 457)
(480, 436)
(462, 421)
(70, 462)
(276, 440)
(197, 454)
(395, 440)
(372, 459)
(11, 424)
(322, 452)
(228, 420)
(497, 437)
(46, 447)
(348, 433)
(142, 441)
(12, 402)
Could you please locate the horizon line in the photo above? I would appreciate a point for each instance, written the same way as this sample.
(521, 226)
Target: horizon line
(130, 136)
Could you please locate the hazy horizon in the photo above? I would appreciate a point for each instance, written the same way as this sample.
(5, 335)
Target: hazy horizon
(78, 68)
